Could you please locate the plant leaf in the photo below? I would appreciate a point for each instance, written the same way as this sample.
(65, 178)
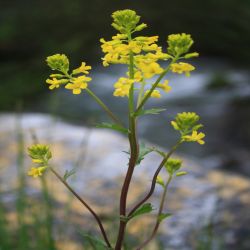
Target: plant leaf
(113, 127)
(69, 173)
(144, 209)
(162, 216)
(97, 243)
(143, 152)
(154, 111)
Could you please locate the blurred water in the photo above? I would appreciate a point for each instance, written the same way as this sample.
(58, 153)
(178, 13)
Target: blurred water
(223, 119)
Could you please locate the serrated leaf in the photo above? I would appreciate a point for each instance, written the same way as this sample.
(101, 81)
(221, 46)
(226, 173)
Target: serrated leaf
(143, 152)
(69, 173)
(162, 216)
(97, 243)
(154, 111)
(113, 127)
(181, 173)
(144, 209)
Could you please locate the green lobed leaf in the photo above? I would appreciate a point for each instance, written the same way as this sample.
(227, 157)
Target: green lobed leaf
(144, 209)
(113, 126)
(154, 111)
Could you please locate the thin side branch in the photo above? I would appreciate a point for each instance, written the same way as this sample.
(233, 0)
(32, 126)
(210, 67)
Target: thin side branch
(152, 188)
(98, 220)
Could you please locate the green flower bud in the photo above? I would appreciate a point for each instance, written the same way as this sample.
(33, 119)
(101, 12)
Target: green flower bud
(186, 122)
(141, 27)
(40, 153)
(179, 44)
(125, 21)
(58, 62)
(173, 165)
(191, 55)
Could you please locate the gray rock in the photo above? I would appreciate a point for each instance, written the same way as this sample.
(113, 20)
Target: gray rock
(202, 198)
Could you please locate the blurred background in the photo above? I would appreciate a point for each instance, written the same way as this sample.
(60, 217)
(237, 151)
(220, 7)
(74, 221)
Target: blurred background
(219, 90)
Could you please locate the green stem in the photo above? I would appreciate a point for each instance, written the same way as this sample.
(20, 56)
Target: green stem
(157, 224)
(141, 92)
(147, 96)
(105, 108)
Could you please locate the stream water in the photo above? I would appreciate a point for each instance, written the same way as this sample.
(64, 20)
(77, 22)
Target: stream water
(224, 111)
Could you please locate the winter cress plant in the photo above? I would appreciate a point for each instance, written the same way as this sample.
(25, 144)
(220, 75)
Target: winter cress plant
(144, 79)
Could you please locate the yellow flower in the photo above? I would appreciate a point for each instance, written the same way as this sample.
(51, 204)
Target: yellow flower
(154, 94)
(82, 69)
(77, 84)
(164, 86)
(182, 68)
(37, 160)
(195, 137)
(150, 69)
(35, 172)
(55, 83)
(122, 87)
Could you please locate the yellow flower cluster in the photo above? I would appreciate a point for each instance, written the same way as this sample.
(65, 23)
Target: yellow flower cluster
(76, 81)
(145, 50)
(181, 68)
(145, 53)
(40, 154)
(187, 124)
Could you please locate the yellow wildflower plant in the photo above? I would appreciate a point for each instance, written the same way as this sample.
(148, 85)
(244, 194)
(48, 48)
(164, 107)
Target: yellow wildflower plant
(144, 73)
(181, 68)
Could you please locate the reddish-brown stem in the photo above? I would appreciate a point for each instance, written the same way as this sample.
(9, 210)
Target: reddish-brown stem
(86, 205)
(123, 198)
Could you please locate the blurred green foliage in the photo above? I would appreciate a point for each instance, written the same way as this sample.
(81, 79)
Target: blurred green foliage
(31, 30)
